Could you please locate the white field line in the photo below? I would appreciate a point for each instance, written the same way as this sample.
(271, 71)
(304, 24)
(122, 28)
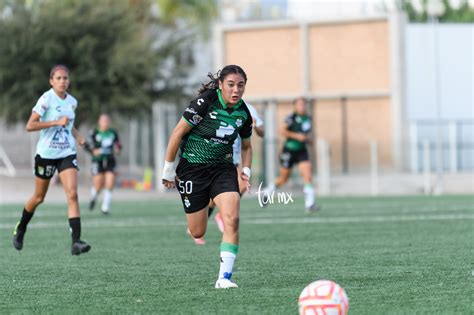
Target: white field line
(259, 221)
(270, 212)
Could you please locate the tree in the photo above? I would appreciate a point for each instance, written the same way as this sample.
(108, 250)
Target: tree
(110, 46)
(197, 14)
(463, 14)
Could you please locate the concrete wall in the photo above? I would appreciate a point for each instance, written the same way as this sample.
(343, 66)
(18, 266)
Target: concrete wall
(327, 59)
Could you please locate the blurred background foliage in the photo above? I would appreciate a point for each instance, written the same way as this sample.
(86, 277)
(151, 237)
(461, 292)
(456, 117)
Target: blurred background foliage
(123, 54)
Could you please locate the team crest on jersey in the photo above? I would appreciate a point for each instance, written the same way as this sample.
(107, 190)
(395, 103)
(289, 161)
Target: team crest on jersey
(197, 119)
(40, 170)
(306, 126)
(187, 203)
(238, 122)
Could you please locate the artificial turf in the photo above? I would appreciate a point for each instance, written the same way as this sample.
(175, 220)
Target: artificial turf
(398, 255)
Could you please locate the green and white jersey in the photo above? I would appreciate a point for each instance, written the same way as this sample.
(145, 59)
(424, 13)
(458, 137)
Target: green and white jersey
(297, 123)
(215, 128)
(56, 142)
(103, 140)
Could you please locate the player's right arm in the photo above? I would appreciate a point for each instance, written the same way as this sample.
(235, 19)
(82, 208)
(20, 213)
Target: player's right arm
(34, 123)
(192, 117)
(181, 129)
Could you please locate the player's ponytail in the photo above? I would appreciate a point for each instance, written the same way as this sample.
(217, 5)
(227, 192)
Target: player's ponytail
(220, 76)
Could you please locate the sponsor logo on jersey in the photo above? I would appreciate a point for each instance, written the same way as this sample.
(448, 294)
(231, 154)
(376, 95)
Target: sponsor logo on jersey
(190, 110)
(58, 108)
(197, 119)
(220, 140)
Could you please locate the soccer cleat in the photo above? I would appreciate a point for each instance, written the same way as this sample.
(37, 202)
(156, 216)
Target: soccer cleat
(80, 247)
(92, 204)
(219, 221)
(18, 236)
(105, 212)
(197, 241)
(313, 209)
(225, 283)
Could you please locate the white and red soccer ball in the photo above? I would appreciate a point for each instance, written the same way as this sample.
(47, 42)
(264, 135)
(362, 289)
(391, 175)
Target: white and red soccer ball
(323, 297)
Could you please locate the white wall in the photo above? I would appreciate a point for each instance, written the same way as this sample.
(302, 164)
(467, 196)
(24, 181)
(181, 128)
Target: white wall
(456, 70)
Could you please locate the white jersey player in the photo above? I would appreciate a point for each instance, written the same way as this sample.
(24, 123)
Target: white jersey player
(54, 115)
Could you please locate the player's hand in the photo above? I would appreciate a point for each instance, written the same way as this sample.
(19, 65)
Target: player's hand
(245, 176)
(168, 175)
(81, 141)
(96, 152)
(168, 184)
(62, 121)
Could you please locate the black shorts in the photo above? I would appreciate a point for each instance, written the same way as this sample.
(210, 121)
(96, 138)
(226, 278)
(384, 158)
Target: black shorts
(288, 158)
(45, 168)
(198, 183)
(104, 165)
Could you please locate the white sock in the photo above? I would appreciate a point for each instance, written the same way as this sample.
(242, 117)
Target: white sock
(93, 193)
(308, 195)
(227, 263)
(106, 200)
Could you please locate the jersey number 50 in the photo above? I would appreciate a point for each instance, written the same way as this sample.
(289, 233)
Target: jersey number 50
(185, 187)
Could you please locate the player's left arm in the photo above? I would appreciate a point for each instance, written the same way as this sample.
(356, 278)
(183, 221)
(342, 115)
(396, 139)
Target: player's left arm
(246, 162)
(245, 134)
(117, 144)
(79, 138)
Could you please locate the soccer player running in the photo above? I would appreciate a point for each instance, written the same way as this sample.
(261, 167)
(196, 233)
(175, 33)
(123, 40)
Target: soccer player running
(54, 115)
(205, 135)
(103, 143)
(297, 131)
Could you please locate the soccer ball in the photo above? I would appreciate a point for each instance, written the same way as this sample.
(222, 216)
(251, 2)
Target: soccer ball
(323, 297)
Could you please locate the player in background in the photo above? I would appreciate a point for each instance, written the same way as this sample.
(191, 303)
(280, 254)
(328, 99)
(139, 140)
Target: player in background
(205, 135)
(54, 115)
(103, 143)
(298, 135)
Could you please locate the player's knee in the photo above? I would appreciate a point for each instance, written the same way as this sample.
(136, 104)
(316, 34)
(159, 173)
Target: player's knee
(281, 180)
(72, 196)
(38, 199)
(197, 232)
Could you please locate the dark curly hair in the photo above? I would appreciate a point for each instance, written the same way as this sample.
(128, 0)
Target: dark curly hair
(220, 76)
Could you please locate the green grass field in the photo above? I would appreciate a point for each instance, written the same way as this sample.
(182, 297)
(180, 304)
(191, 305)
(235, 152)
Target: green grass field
(392, 255)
